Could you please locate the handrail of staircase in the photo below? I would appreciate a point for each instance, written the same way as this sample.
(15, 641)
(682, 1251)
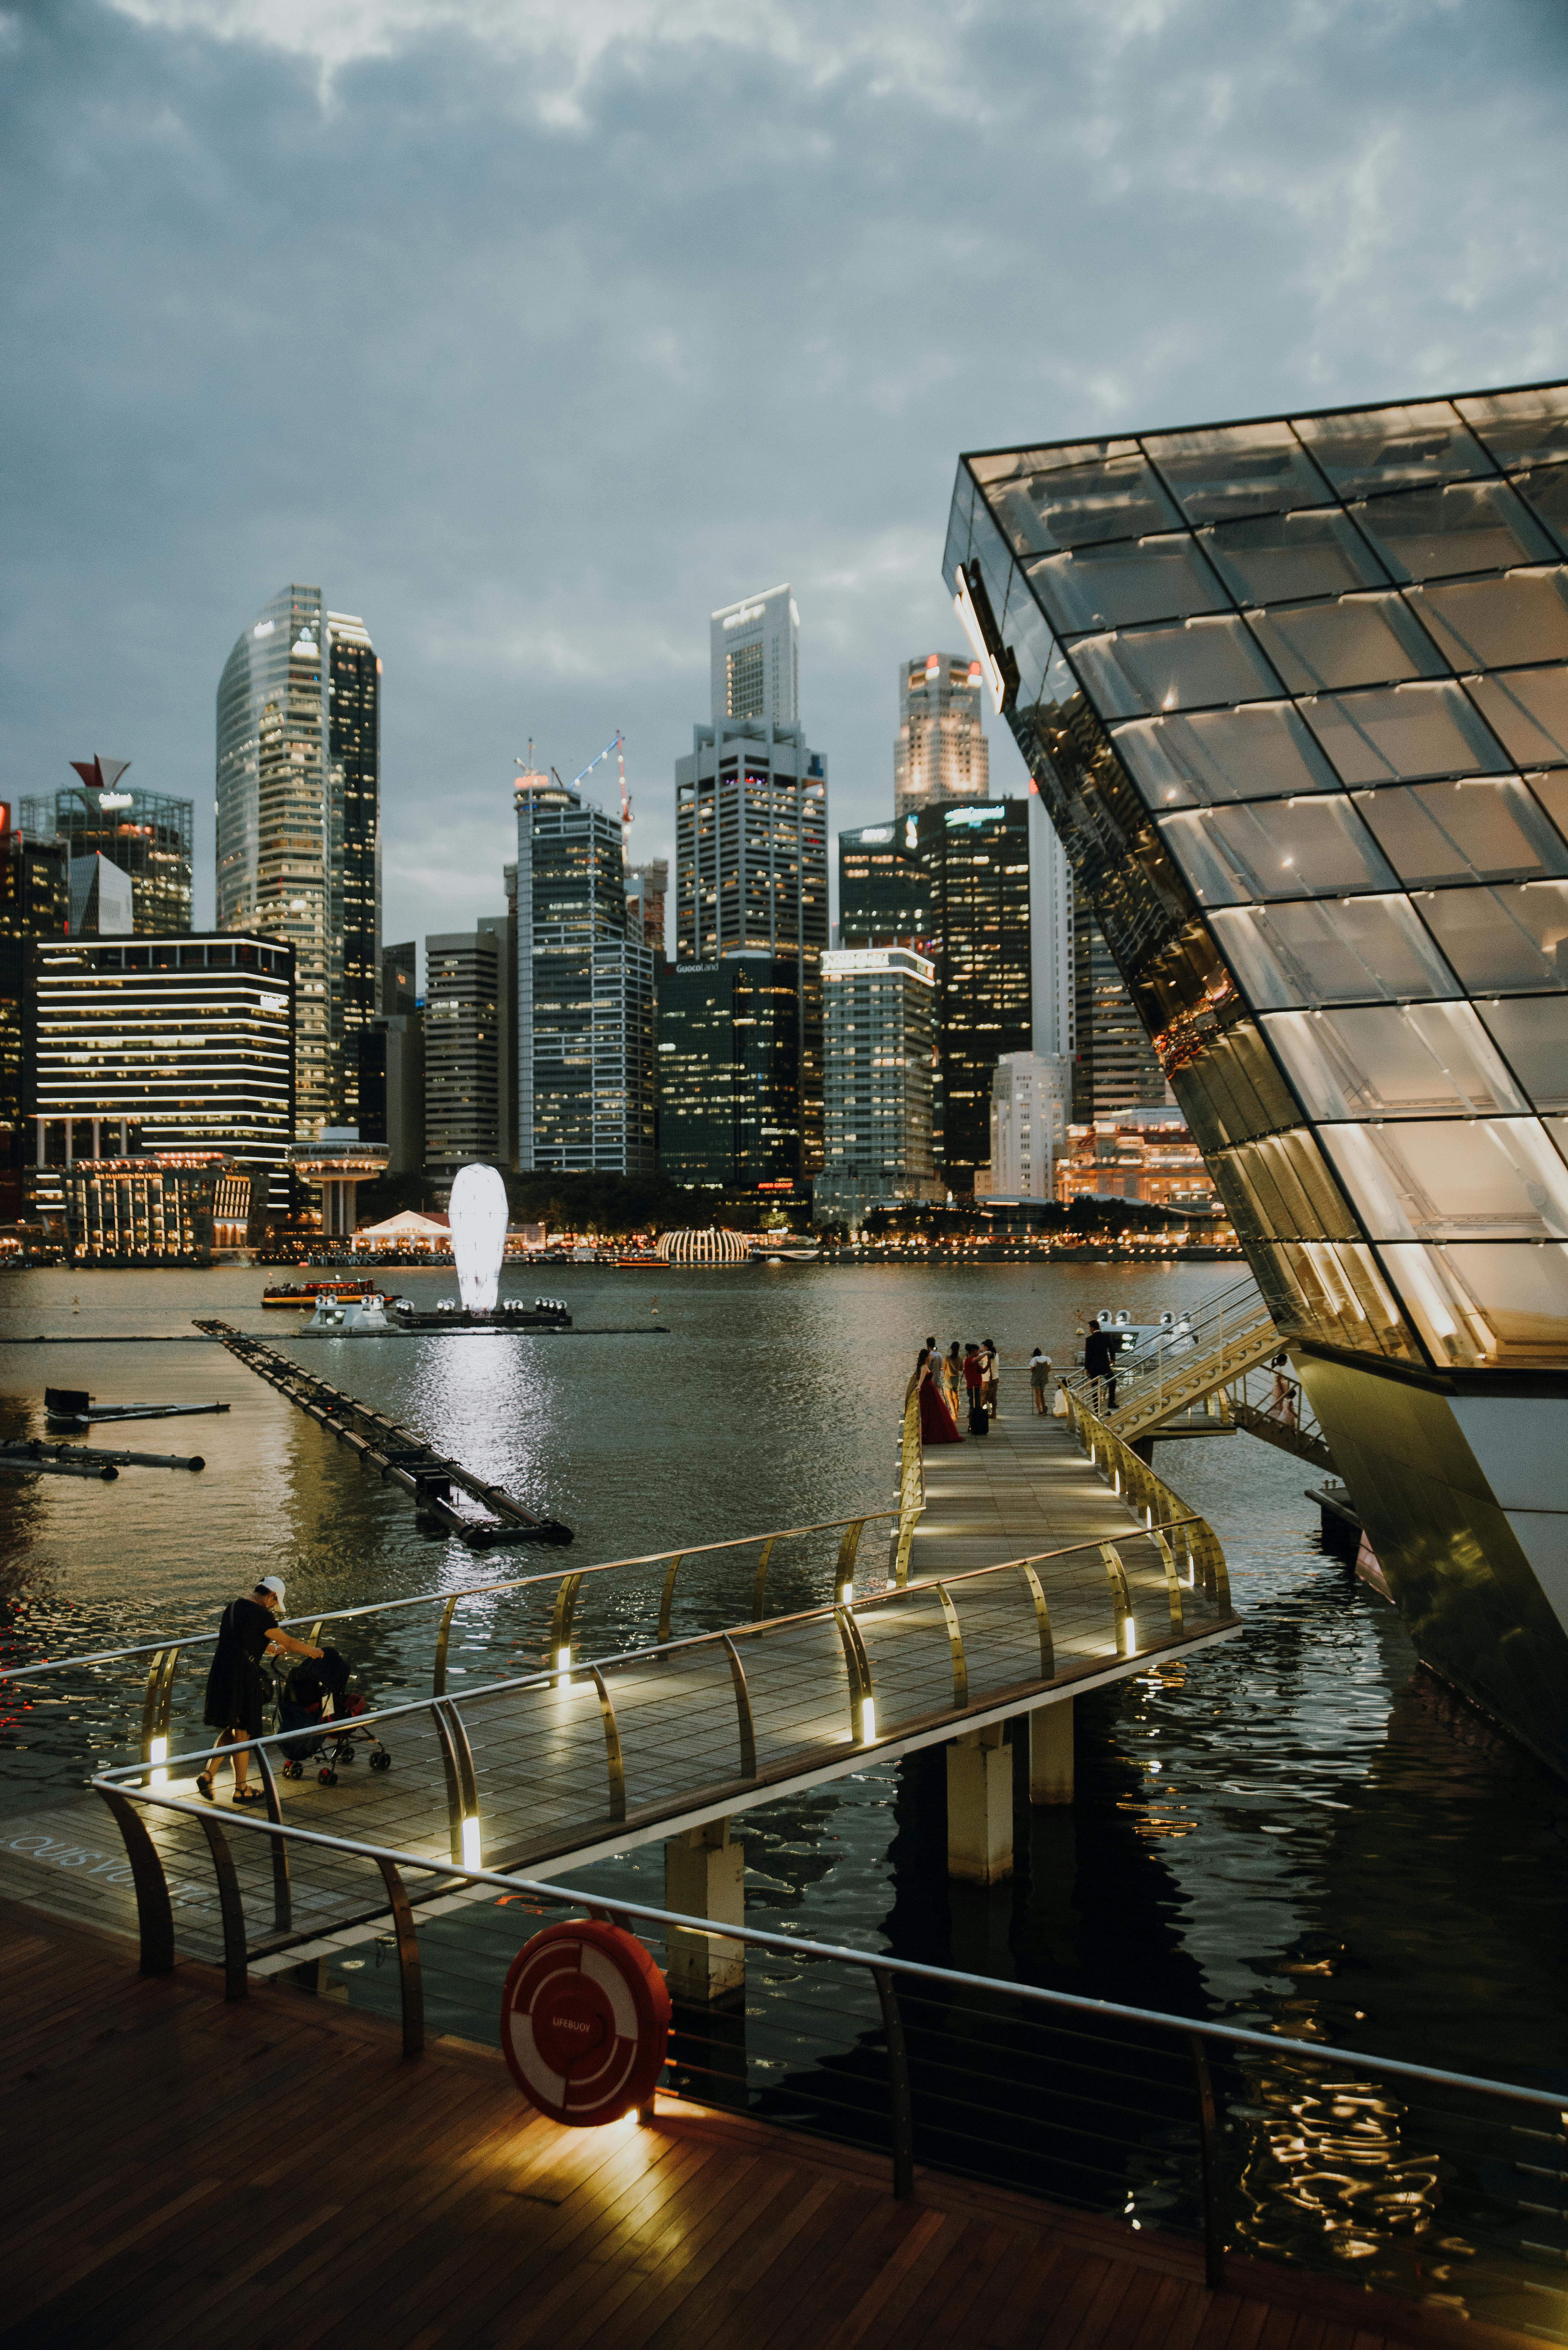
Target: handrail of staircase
(1136, 1481)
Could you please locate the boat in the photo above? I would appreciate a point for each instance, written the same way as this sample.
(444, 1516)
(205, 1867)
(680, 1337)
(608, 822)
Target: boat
(358, 1285)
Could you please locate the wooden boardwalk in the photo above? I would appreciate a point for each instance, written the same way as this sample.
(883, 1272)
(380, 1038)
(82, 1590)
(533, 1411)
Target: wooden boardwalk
(274, 2176)
(1026, 1486)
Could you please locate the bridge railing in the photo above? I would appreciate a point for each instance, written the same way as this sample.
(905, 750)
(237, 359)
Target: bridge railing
(1434, 2185)
(1136, 1481)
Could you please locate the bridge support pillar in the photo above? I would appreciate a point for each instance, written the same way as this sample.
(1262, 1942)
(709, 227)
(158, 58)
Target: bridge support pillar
(704, 1878)
(1050, 1754)
(979, 1806)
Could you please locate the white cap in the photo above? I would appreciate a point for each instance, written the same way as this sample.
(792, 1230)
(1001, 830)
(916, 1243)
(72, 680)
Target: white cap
(272, 1583)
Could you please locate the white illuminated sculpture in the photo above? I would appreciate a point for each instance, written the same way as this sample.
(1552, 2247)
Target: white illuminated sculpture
(477, 1213)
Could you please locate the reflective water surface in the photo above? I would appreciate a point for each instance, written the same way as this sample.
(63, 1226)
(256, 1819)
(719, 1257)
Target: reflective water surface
(1294, 1831)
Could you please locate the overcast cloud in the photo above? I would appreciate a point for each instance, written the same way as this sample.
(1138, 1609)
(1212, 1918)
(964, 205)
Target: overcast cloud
(532, 332)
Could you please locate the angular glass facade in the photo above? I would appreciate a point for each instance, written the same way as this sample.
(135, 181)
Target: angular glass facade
(1295, 693)
(146, 833)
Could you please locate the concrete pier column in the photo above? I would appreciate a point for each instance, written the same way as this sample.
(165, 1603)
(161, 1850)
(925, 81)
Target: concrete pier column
(979, 1806)
(1051, 1752)
(704, 1878)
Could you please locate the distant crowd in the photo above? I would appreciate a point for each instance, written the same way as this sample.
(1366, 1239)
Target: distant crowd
(966, 1377)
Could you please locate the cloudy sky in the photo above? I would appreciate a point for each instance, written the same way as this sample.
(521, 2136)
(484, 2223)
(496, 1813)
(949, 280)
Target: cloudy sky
(533, 329)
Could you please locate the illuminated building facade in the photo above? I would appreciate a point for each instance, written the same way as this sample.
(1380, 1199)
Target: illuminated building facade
(882, 888)
(35, 903)
(942, 752)
(298, 855)
(162, 1046)
(880, 1032)
(1295, 691)
(1030, 1104)
(462, 1041)
(1144, 1155)
(147, 835)
(169, 1208)
(728, 1073)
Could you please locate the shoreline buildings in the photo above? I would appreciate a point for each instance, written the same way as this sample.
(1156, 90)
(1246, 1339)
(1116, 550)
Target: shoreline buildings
(750, 880)
(1295, 691)
(298, 827)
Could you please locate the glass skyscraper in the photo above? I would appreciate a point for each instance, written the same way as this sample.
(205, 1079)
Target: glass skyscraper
(940, 752)
(146, 833)
(298, 850)
(1295, 693)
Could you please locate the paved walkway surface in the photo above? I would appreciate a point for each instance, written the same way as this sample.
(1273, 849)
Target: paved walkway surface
(1024, 1487)
(275, 2176)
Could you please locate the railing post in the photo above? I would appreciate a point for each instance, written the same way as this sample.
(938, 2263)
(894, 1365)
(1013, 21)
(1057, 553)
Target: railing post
(154, 1913)
(744, 1717)
(900, 2107)
(560, 1656)
(282, 1899)
(843, 1573)
(1172, 1581)
(1209, 2127)
(438, 1686)
(862, 1697)
(1042, 1623)
(614, 1761)
(231, 1908)
(955, 1642)
(462, 1791)
(1121, 1597)
(411, 1980)
(760, 1582)
(666, 1596)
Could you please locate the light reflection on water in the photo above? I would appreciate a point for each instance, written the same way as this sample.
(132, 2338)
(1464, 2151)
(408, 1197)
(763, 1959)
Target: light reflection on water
(1283, 1831)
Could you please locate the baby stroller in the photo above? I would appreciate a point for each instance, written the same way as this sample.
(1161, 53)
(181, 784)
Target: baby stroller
(313, 1701)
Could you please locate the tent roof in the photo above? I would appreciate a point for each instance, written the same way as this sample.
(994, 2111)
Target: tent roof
(409, 1223)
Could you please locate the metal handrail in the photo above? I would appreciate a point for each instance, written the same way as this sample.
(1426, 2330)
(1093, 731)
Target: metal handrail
(1136, 1481)
(887, 1973)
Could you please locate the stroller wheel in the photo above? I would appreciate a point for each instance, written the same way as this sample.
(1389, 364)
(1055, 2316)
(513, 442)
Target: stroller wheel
(382, 1761)
(294, 1770)
(328, 1777)
(346, 1752)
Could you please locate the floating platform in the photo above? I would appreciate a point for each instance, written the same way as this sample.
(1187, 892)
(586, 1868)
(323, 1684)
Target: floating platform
(544, 1314)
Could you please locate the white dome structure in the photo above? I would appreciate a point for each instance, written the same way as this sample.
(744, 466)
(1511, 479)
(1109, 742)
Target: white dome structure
(713, 1246)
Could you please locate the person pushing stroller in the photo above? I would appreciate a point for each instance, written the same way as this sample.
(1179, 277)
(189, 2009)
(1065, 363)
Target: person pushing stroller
(237, 1688)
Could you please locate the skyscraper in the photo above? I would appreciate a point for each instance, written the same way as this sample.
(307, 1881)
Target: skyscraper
(941, 752)
(462, 1122)
(298, 825)
(1297, 691)
(35, 903)
(882, 888)
(147, 835)
(584, 992)
(728, 1073)
(751, 830)
(879, 1026)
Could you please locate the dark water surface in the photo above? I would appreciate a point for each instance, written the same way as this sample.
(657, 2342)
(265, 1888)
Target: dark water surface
(1292, 1830)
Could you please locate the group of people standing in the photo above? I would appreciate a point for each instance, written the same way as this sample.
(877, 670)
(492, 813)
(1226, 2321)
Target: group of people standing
(940, 1380)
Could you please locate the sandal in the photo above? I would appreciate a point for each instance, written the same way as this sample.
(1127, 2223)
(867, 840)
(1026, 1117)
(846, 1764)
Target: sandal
(249, 1796)
(204, 1786)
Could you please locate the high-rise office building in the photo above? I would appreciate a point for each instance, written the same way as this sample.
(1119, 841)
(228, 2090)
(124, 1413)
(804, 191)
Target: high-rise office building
(728, 1073)
(647, 888)
(941, 752)
(879, 1033)
(1297, 691)
(165, 1046)
(147, 835)
(298, 825)
(399, 978)
(389, 1055)
(750, 825)
(1000, 900)
(585, 998)
(462, 1041)
(35, 903)
(882, 897)
(503, 929)
(1030, 1109)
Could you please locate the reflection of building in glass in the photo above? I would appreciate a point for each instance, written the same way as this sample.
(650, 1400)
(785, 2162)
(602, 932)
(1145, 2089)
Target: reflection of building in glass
(162, 1046)
(880, 1032)
(941, 752)
(729, 1072)
(298, 802)
(584, 992)
(1296, 694)
(882, 889)
(1115, 1067)
(1031, 1103)
(1145, 1155)
(750, 831)
(146, 833)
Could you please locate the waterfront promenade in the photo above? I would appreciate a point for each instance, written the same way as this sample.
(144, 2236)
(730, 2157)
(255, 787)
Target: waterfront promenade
(177, 2170)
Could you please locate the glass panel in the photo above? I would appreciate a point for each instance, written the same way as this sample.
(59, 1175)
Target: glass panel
(1532, 1031)
(1393, 448)
(1521, 428)
(1185, 668)
(1470, 526)
(1454, 1178)
(1547, 495)
(956, 551)
(1260, 752)
(1392, 1061)
(1361, 950)
(1552, 791)
(1243, 469)
(1279, 849)
(1528, 709)
(1400, 731)
(1358, 641)
(1510, 939)
(1346, 1298)
(1081, 502)
(1135, 580)
(1285, 556)
(1486, 829)
(1026, 628)
(1520, 615)
(1487, 1304)
(1292, 1192)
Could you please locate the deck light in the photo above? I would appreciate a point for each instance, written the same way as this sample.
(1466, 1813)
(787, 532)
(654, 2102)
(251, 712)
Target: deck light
(159, 1753)
(471, 1843)
(868, 1719)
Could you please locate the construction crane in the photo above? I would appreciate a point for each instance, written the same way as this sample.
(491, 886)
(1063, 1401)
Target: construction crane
(617, 744)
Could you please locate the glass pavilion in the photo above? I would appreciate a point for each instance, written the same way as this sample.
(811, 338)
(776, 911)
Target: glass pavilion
(1295, 692)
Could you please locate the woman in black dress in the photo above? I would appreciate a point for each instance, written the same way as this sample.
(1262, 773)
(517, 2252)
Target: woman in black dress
(236, 1687)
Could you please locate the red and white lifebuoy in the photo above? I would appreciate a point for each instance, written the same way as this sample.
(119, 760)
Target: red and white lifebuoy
(584, 2018)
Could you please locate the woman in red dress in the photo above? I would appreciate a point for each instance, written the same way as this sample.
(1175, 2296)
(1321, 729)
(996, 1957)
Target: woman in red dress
(938, 1425)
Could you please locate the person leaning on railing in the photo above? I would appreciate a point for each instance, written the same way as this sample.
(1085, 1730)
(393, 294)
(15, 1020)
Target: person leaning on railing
(237, 1686)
